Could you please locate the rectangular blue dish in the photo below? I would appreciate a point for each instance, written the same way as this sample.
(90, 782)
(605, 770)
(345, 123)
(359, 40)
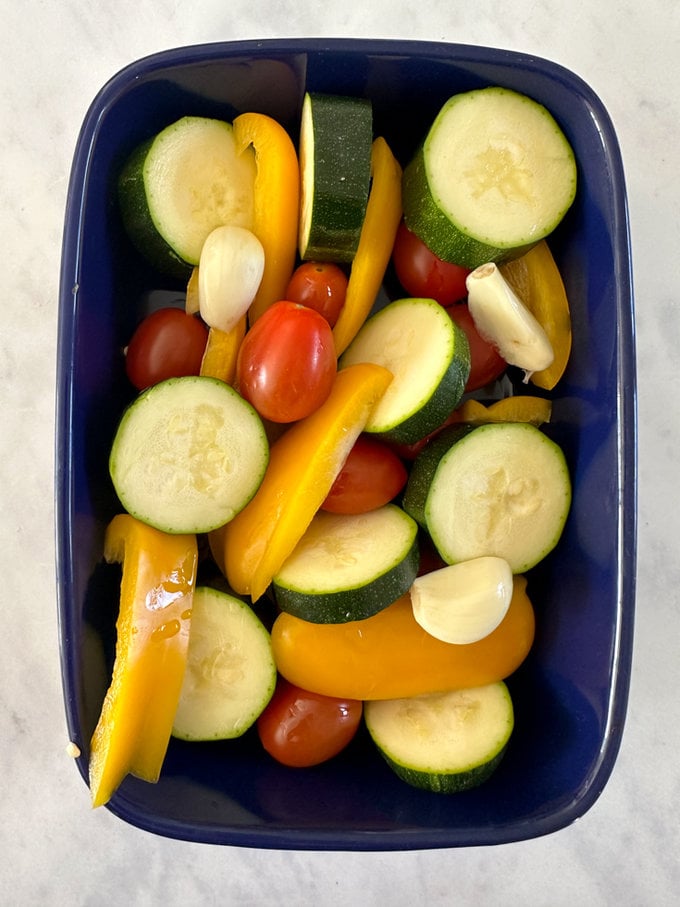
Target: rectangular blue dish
(571, 693)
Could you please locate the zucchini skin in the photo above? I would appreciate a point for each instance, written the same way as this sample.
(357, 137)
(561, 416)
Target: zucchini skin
(342, 133)
(137, 219)
(424, 469)
(443, 401)
(445, 782)
(351, 604)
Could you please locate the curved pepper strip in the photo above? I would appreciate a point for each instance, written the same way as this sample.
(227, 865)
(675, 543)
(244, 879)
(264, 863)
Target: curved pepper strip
(134, 727)
(277, 200)
(303, 464)
(390, 656)
(221, 352)
(536, 279)
(383, 213)
(517, 408)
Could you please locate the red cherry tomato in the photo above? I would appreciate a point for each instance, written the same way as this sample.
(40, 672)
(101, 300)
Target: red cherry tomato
(372, 475)
(422, 273)
(167, 344)
(320, 285)
(286, 364)
(486, 363)
(300, 729)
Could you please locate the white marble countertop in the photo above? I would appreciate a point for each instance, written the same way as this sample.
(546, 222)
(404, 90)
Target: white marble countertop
(55, 849)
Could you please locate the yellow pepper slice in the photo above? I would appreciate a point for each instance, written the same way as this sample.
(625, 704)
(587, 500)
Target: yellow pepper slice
(221, 352)
(303, 465)
(536, 279)
(277, 199)
(520, 408)
(134, 727)
(191, 304)
(390, 656)
(383, 213)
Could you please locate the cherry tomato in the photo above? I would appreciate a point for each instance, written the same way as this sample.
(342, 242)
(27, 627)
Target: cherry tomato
(320, 285)
(300, 729)
(168, 343)
(372, 475)
(286, 364)
(422, 273)
(486, 363)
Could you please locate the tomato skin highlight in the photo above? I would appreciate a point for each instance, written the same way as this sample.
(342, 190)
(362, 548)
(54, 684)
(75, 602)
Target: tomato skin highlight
(286, 363)
(320, 285)
(422, 273)
(372, 476)
(300, 729)
(486, 363)
(168, 343)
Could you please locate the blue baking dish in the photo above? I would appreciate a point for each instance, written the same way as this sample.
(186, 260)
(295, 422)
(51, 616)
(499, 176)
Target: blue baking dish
(571, 693)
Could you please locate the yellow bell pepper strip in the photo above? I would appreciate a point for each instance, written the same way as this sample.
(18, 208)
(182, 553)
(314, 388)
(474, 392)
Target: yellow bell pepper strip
(519, 408)
(191, 303)
(390, 656)
(134, 727)
(277, 200)
(303, 464)
(536, 279)
(383, 213)
(221, 352)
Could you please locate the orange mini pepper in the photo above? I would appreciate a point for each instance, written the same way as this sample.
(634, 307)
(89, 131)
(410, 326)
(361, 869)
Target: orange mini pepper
(303, 464)
(277, 198)
(383, 213)
(390, 656)
(134, 727)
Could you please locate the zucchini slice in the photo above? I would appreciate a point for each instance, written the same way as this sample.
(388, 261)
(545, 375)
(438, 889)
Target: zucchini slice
(494, 176)
(349, 567)
(503, 490)
(230, 674)
(188, 455)
(336, 134)
(429, 356)
(177, 187)
(444, 742)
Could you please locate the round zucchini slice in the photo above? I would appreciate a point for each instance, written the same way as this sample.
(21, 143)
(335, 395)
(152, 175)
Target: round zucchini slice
(444, 742)
(188, 455)
(502, 489)
(230, 674)
(494, 176)
(349, 567)
(429, 357)
(176, 188)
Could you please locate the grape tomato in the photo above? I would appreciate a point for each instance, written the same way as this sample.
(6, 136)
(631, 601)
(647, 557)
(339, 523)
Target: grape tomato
(320, 285)
(423, 274)
(286, 363)
(371, 476)
(299, 728)
(486, 363)
(168, 343)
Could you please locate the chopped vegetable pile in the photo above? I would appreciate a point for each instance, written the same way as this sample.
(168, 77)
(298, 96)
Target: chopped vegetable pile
(370, 490)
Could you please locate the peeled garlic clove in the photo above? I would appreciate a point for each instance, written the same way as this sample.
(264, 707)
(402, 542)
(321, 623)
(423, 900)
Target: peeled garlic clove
(464, 602)
(502, 319)
(229, 275)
